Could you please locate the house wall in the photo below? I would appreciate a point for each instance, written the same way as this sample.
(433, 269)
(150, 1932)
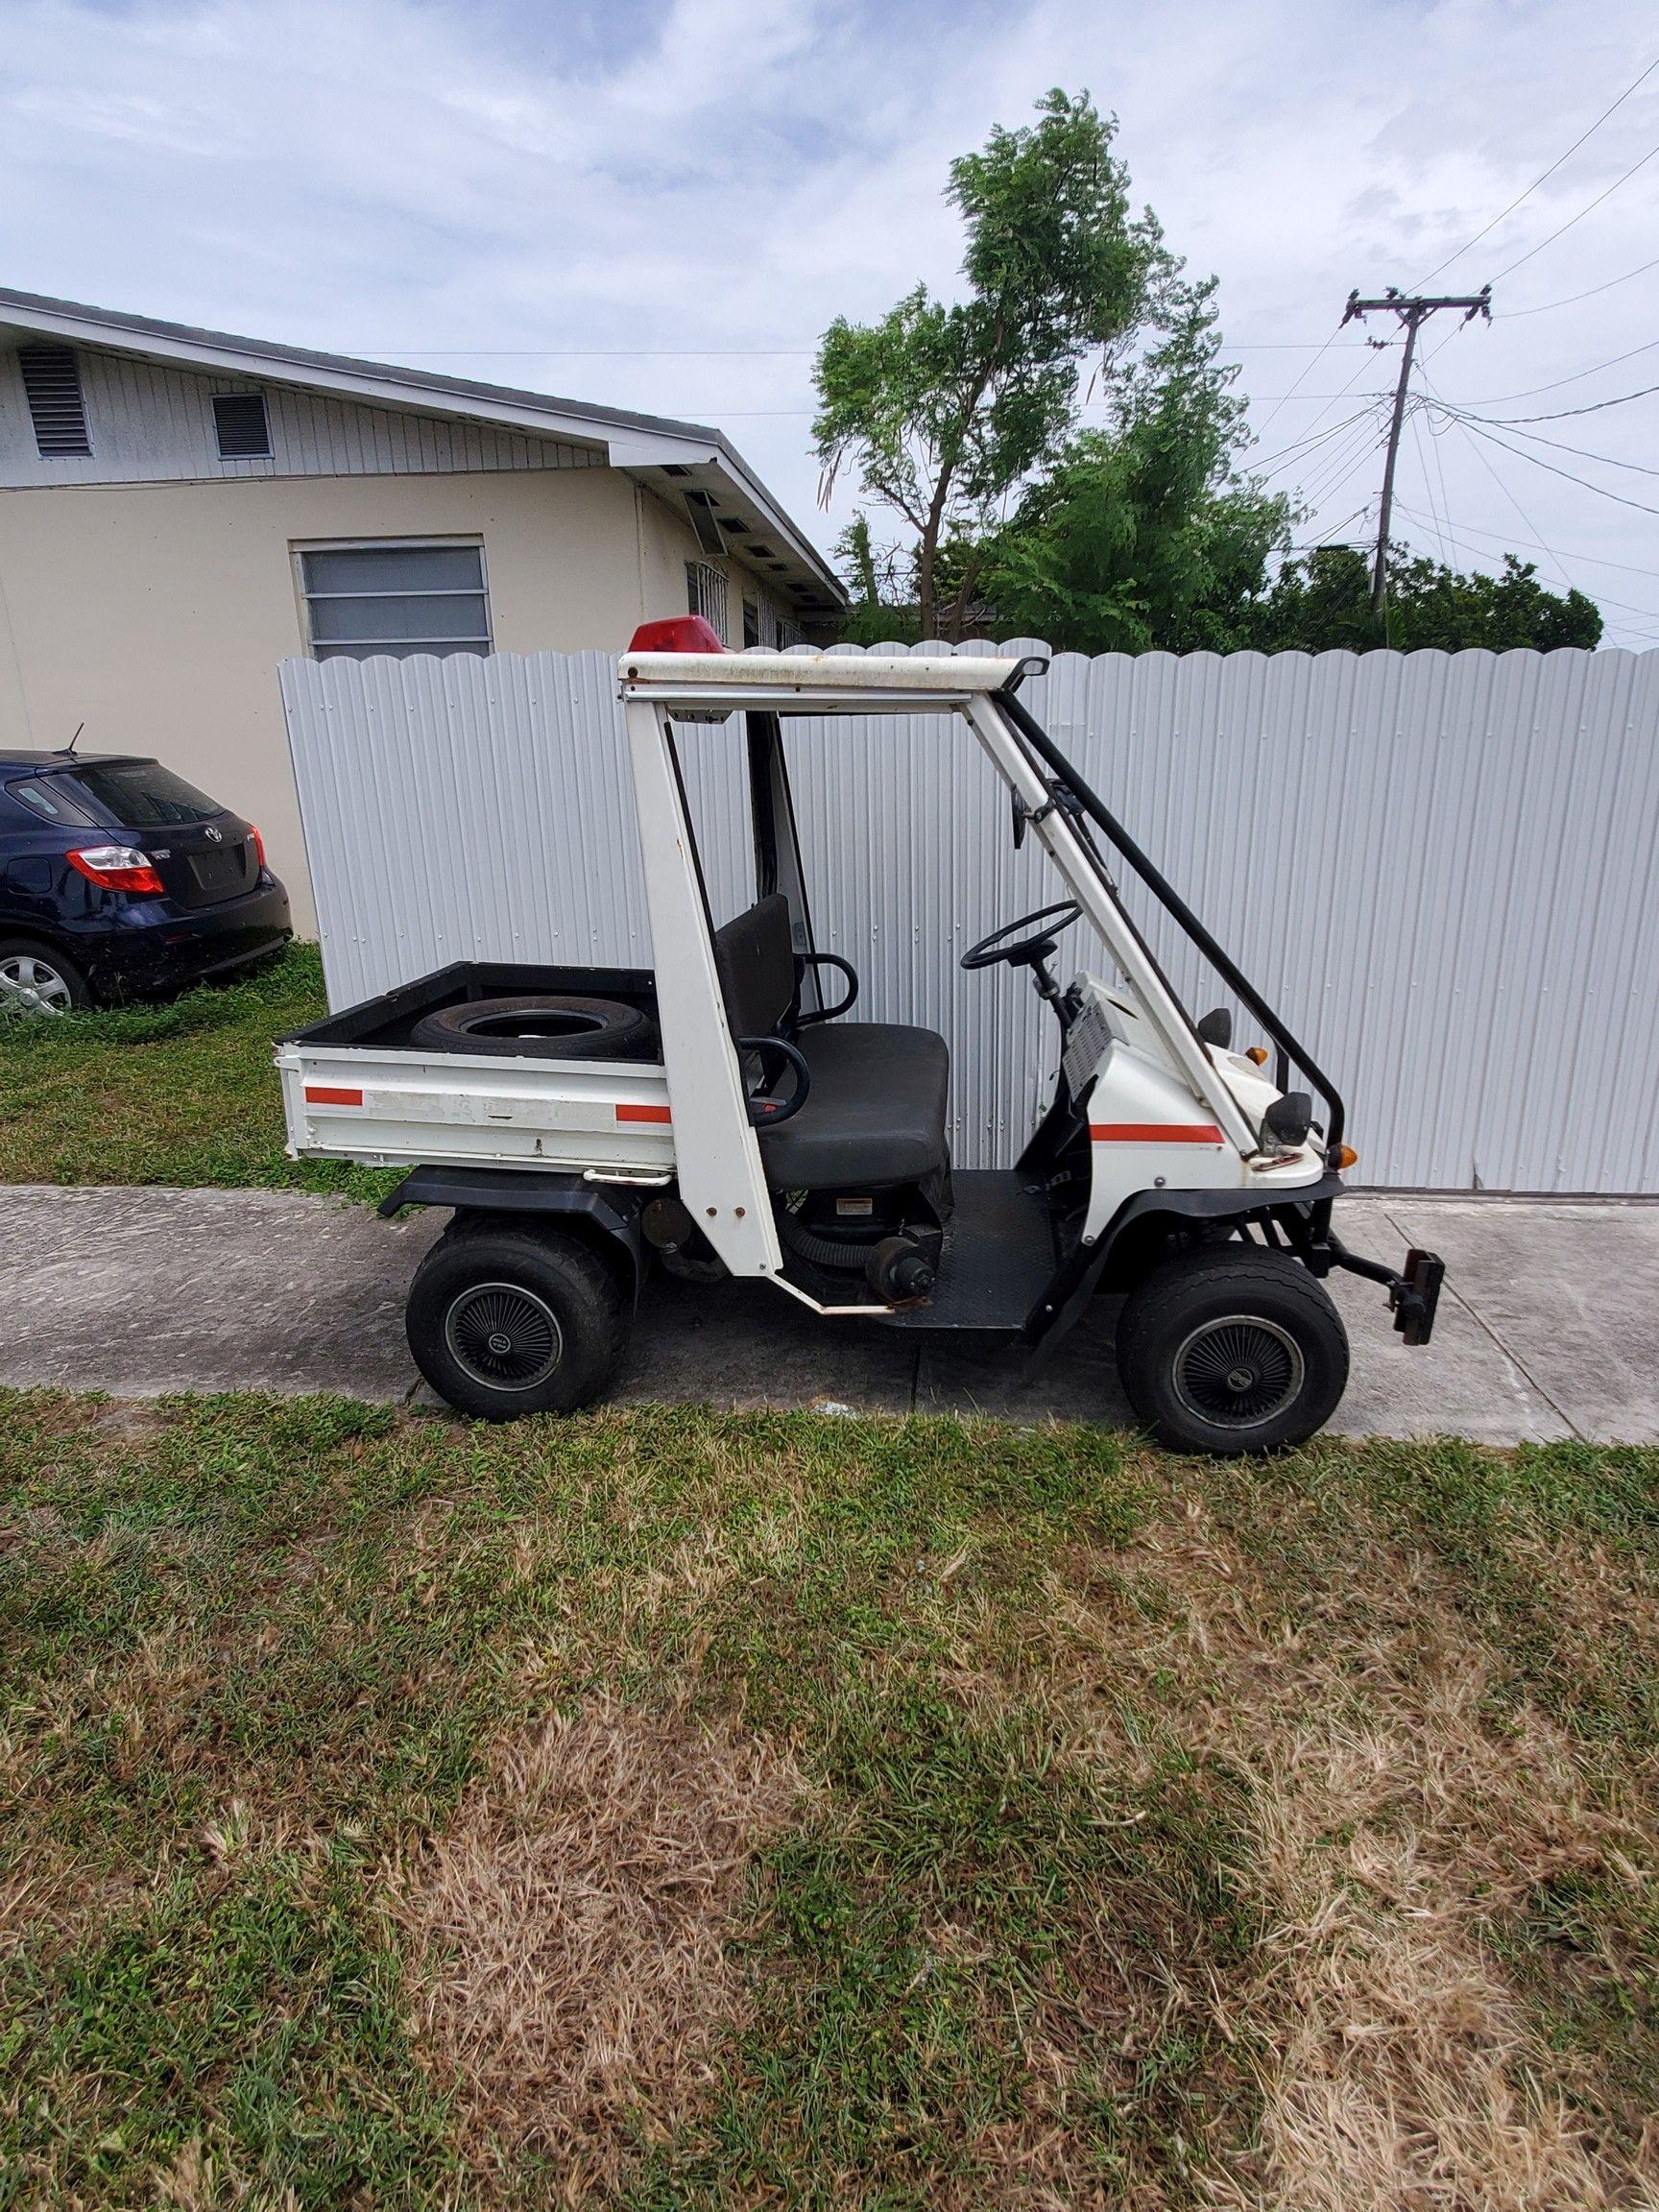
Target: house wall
(147, 423)
(150, 590)
(157, 612)
(666, 542)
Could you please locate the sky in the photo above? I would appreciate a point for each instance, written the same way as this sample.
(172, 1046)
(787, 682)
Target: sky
(660, 204)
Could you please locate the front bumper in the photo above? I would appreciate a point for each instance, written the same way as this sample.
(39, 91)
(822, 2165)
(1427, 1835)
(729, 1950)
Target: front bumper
(1413, 1292)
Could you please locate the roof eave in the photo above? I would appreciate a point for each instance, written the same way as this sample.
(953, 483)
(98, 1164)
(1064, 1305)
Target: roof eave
(630, 441)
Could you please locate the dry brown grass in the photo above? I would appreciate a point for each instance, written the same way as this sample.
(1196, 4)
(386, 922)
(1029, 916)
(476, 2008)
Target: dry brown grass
(569, 1933)
(1396, 1813)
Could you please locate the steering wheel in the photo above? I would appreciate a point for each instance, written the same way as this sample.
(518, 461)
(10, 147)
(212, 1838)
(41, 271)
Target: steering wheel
(1024, 952)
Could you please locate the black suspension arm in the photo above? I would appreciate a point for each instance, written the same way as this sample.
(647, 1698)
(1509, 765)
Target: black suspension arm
(1165, 892)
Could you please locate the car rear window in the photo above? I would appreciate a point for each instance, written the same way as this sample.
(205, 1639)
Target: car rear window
(143, 795)
(55, 799)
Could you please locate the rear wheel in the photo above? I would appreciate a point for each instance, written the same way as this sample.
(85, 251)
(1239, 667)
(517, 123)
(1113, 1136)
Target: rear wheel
(34, 980)
(504, 1321)
(1232, 1348)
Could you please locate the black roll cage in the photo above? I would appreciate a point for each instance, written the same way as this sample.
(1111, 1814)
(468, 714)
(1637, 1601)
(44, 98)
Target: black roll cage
(1069, 791)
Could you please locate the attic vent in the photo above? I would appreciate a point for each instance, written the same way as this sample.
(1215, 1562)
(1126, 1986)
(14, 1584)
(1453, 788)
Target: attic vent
(701, 508)
(52, 383)
(239, 422)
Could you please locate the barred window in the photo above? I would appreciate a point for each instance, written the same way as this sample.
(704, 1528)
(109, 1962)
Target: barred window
(706, 594)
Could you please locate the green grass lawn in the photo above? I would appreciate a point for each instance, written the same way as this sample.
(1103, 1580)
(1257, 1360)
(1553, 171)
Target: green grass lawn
(674, 1809)
(181, 1091)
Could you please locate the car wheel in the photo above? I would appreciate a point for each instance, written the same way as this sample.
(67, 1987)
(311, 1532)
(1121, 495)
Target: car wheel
(34, 980)
(1232, 1348)
(505, 1320)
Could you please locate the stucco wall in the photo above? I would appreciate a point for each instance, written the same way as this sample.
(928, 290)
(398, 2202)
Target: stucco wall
(666, 542)
(159, 613)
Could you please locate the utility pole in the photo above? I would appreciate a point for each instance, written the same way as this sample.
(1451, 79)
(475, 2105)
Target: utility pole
(1412, 312)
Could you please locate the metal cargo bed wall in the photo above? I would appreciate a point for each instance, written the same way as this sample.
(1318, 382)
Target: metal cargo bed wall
(1443, 867)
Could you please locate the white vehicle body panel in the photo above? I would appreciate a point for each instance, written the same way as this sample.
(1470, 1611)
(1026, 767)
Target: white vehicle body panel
(718, 1156)
(395, 1109)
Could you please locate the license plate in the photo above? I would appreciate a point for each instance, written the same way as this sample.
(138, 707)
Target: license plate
(217, 872)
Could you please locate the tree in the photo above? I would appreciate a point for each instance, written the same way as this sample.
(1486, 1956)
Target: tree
(875, 613)
(1323, 599)
(1143, 535)
(947, 410)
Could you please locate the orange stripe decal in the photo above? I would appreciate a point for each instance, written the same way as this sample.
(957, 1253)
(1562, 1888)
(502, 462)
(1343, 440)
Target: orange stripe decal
(1154, 1132)
(331, 1095)
(643, 1113)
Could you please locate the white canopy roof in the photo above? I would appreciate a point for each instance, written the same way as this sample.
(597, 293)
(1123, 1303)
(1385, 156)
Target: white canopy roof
(812, 681)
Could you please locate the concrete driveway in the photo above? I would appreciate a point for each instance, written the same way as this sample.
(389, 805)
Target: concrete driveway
(1548, 1327)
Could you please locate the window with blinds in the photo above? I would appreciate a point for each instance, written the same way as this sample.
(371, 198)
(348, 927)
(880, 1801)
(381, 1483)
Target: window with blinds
(398, 598)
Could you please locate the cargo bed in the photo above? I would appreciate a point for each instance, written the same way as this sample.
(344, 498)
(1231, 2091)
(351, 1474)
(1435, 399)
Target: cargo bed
(355, 1087)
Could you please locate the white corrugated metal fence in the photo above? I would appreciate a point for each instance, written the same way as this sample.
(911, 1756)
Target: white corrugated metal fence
(1441, 866)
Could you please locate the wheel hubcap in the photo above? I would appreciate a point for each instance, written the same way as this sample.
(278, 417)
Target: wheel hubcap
(503, 1335)
(28, 985)
(1239, 1370)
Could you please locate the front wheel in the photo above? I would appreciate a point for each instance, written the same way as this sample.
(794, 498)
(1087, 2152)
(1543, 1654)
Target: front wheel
(1232, 1348)
(505, 1320)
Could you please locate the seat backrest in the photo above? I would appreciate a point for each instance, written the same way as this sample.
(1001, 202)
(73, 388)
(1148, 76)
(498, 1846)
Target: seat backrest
(756, 964)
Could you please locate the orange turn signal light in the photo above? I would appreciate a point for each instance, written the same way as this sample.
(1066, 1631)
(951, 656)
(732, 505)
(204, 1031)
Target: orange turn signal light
(1257, 1053)
(1346, 1155)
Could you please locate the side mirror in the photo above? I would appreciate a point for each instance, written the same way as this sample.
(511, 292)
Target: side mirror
(1216, 1028)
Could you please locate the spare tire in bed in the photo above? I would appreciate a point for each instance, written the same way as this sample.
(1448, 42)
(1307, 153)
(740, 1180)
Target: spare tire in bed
(544, 1027)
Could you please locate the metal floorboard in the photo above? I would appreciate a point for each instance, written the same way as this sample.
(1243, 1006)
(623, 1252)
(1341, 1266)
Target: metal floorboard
(999, 1255)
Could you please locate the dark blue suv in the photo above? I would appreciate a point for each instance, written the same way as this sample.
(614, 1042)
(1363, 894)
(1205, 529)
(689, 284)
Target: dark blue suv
(118, 879)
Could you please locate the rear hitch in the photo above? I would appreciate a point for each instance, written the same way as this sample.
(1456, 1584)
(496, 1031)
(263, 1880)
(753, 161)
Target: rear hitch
(1413, 1294)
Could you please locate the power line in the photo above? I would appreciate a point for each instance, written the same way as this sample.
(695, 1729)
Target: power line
(1270, 463)
(1533, 438)
(1459, 538)
(1565, 414)
(1306, 373)
(1572, 297)
(1548, 174)
(1521, 455)
(715, 352)
(1587, 209)
(1547, 551)
(1504, 398)
(1550, 553)
(1427, 484)
(1539, 545)
(1335, 485)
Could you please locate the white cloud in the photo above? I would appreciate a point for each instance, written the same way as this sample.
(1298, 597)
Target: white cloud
(403, 176)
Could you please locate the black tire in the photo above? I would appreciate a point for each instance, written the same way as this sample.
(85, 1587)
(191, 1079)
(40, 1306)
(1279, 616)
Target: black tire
(35, 980)
(1232, 1348)
(547, 1026)
(506, 1320)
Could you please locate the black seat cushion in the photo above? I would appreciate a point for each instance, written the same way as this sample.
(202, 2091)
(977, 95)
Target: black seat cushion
(756, 964)
(874, 1114)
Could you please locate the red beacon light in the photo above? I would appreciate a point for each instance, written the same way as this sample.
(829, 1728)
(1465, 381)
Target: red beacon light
(678, 633)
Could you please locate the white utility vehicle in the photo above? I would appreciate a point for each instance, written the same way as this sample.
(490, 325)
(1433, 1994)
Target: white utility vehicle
(718, 1117)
